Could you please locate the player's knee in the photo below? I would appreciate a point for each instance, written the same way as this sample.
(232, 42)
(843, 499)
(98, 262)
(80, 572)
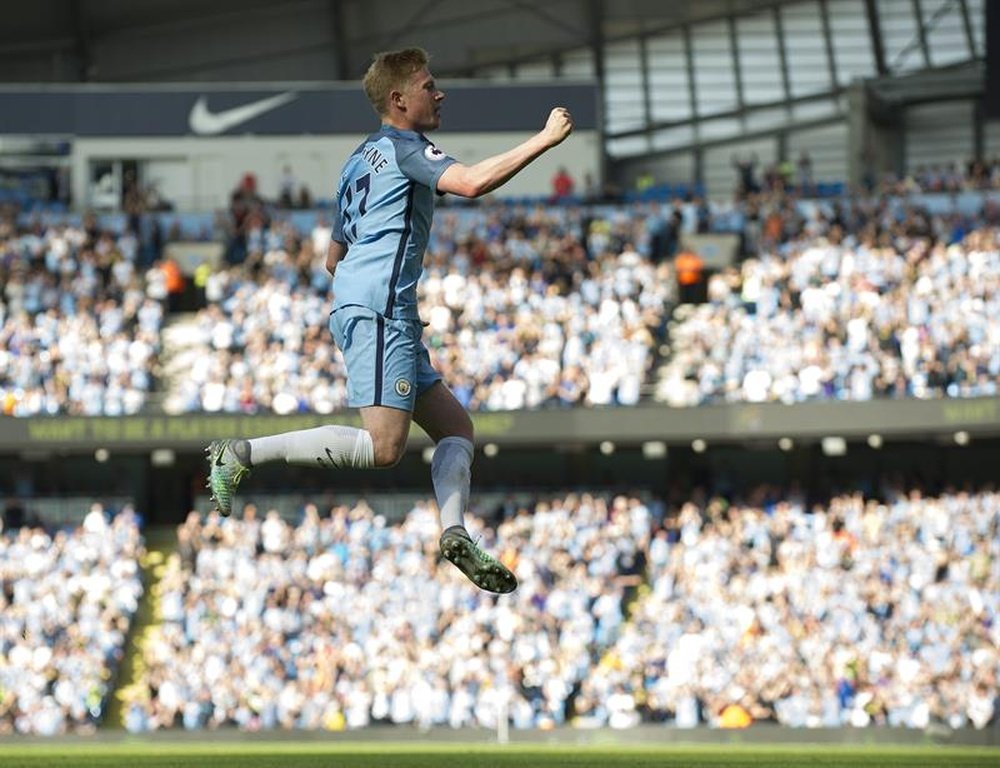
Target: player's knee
(388, 453)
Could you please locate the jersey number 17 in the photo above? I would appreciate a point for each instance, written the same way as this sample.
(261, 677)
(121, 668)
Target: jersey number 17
(351, 212)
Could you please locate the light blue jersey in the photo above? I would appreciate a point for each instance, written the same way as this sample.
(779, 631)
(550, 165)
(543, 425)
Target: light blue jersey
(385, 203)
(383, 213)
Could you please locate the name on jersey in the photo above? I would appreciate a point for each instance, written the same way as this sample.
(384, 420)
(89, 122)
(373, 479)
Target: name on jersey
(374, 158)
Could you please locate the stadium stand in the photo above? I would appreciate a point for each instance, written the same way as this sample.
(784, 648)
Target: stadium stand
(343, 621)
(849, 315)
(853, 612)
(80, 320)
(555, 306)
(772, 244)
(67, 598)
(772, 219)
(529, 307)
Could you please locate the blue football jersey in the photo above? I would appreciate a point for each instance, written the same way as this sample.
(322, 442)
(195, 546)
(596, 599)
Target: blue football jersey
(383, 213)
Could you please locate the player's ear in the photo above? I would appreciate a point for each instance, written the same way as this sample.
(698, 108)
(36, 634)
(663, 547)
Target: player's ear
(396, 99)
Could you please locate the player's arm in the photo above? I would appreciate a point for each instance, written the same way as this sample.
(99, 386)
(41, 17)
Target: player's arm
(487, 175)
(338, 246)
(334, 254)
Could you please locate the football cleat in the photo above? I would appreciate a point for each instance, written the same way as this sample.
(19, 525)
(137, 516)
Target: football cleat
(482, 569)
(228, 463)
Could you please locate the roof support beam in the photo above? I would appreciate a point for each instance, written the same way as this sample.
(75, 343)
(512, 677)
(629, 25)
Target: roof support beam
(779, 29)
(970, 38)
(692, 83)
(875, 31)
(831, 57)
(918, 16)
(647, 96)
(595, 34)
(734, 46)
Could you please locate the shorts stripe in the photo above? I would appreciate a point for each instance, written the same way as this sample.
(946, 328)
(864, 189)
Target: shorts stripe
(379, 354)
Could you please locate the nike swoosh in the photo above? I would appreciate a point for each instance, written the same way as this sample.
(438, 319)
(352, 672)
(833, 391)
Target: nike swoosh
(218, 459)
(206, 123)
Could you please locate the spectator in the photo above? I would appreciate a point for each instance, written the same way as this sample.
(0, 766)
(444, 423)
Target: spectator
(689, 267)
(804, 177)
(853, 319)
(287, 187)
(562, 185)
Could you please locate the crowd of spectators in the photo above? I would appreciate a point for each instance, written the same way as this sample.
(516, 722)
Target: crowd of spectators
(545, 307)
(344, 620)
(525, 307)
(888, 311)
(531, 307)
(856, 612)
(262, 343)
(973, 174)
(796, 176)
(66, 602)
(80, 320)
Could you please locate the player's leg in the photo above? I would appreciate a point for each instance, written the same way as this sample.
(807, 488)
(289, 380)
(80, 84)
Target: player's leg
(380, 443)
(389, 428)
(447, 423)
(380, 356)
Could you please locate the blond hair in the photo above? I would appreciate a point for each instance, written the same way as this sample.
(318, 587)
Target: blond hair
(389, 71)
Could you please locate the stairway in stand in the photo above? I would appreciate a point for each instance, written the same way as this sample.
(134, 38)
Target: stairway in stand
(182, 345)
(161, 543)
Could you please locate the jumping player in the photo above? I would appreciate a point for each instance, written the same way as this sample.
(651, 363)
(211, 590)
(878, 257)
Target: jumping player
(385, 204)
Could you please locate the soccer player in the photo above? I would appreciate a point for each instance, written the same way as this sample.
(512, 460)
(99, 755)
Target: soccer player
(384, 207)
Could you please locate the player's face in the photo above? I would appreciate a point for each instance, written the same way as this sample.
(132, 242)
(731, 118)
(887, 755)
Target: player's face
(423, 101)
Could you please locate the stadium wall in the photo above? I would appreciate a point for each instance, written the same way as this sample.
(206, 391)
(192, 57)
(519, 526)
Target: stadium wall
(977, 417)
(197, 174)
(197, 141)
(759, 734)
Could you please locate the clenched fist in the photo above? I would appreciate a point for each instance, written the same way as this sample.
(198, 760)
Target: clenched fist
(558, 126)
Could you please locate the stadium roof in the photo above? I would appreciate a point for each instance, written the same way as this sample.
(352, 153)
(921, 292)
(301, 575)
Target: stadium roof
(155, 40)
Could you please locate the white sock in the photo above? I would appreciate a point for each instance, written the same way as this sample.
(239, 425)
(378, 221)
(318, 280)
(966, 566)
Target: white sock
(451, 473)
(330, 446)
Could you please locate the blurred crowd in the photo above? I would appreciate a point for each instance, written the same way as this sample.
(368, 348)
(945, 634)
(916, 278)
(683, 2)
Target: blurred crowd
(973, 174)
(849, 305)
(80, 321)
(344, 620)
(852, 612)
(797, 176)
(66, 602)
(262, 343)
(525, 306)
(855, 612)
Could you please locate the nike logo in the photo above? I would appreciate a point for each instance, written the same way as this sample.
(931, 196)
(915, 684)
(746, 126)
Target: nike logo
(206, 123)
(333, 461)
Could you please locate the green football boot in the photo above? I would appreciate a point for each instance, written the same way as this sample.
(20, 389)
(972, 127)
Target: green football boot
(229, 463)
(482, 569)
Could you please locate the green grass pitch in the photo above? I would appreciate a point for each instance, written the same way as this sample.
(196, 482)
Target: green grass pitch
(259, 754)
